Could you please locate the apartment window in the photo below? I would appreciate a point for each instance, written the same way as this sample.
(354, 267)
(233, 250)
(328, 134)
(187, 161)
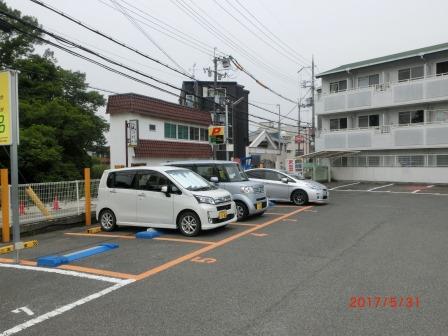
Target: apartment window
(190, 100)
(411, 160)
(204, 134)
(170, 131)
(152, 127)
(412, 117)
(182, 132)
(372, 120)
(367, 81)
(441, 116)
(338, 86)
(442, 68)
(194, 133)
(410, 73)
(340, 123)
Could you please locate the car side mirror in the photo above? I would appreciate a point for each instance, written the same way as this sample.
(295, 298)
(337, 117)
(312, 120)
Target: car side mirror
(284, 180)
(165, 190)
(214, 179)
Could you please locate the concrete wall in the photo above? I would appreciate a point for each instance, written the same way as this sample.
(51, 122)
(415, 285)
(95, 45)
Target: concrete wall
(392, 174)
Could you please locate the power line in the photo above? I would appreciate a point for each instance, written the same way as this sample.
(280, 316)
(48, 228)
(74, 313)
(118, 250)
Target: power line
(280, 42)
(78, 22)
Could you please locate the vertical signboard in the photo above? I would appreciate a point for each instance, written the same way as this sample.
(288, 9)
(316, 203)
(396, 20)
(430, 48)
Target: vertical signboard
(133, 133)
(5, 109)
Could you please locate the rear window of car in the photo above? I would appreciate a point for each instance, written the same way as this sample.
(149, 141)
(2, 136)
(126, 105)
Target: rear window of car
(121, 180)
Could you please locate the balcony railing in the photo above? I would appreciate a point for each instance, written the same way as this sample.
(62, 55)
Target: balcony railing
(425, 89)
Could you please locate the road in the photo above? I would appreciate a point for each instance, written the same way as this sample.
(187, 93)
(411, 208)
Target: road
(290, 272)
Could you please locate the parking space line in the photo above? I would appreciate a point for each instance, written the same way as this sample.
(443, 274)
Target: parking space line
(98, 235)
(191, 241)
(395, 192)
(290, 220)
(384, 186)
(64, 272)
(243, 224)
(98, 271)
(63, 309)
(345, 185)
(273, 213)
(220, 243)
(22, 262)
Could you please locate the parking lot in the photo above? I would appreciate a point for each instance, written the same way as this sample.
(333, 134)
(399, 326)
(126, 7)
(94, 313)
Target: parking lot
(293, 271)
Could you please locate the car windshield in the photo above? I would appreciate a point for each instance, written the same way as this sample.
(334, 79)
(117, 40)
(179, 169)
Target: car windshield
(231, 172)
(190, 180)
(296, 176)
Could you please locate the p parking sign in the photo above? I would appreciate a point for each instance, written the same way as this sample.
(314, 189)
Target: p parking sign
(5, 109)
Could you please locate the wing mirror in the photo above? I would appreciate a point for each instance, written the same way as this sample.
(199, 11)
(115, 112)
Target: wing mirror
(284, 180)
(214, 179)
(166, 190)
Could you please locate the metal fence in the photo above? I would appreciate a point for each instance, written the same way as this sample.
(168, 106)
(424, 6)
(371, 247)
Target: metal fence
(51, 200)
(417, 160)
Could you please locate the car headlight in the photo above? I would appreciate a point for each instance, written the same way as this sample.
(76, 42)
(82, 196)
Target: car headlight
(204, 199)
(247, 190)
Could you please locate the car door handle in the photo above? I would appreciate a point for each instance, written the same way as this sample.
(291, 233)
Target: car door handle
(142, 194)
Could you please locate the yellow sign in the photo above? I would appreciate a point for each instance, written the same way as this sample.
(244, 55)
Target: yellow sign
(5, 109)
(215, 131)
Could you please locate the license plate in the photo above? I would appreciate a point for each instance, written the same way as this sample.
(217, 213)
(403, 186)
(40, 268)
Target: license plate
(259, 206)
(222, 214)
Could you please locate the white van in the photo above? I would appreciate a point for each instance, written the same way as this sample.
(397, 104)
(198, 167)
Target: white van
(162, 197)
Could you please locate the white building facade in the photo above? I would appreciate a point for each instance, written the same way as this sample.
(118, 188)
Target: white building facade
(166, 131)
(394, 111)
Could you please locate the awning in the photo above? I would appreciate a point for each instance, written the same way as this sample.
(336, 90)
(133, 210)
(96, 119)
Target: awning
(328, 154)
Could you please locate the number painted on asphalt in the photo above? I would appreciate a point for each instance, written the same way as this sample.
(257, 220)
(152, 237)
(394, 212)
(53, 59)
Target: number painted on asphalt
(24, 309)
(204, 260)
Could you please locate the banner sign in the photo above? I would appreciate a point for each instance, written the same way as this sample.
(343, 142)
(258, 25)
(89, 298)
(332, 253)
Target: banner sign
(133, 133)
(216, 134)
(5, 109)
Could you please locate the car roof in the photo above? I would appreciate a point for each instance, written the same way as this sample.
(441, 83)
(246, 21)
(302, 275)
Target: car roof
(197, 162)
(155, 168)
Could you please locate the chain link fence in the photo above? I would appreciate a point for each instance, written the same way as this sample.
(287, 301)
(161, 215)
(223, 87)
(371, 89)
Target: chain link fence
(51, 200)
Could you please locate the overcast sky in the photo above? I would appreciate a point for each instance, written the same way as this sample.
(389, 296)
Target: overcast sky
(335, 32)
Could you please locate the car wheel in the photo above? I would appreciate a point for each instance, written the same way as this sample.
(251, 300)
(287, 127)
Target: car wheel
(241, 210)
(189, 224)
(108, 221)
(299, 197)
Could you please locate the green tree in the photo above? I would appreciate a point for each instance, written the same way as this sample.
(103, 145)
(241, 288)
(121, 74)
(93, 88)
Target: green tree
(58, 124)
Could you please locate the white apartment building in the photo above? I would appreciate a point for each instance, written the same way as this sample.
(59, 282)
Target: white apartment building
(165, 131)
(392, 111)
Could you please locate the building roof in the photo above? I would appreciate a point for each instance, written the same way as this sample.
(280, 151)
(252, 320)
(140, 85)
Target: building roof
(157, 108)
(387, 58)
(172, 149)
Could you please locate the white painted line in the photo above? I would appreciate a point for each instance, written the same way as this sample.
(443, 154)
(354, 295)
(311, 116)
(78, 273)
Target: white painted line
(345, 185)
(395, 192)
(416, 191)
(63, 309)
(64, 272)
(384, 186)
(430, 186)
(24, 309)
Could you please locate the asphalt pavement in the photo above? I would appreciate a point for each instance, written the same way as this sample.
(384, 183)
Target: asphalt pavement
(293, 271)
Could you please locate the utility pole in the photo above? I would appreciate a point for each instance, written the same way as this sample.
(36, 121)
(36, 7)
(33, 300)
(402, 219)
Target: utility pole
(313, 126)
(279, 144)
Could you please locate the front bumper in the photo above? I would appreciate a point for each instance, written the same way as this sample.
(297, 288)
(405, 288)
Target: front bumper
(319, 196)
(256, 203)
(210, 215)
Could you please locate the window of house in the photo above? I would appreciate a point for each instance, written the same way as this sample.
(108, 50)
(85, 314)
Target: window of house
(410, 73)
(152, 127)
(441, 116)
(204, 134)
(366, 81)
(339, 123)
(372, 120)
(182, 132)
(190, 100)
(170, 131)
(194, 133)
(338, 86)
(411, 117)
(442, 68)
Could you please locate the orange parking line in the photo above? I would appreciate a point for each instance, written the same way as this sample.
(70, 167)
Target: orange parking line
(244, 224)
(22, 262)
(97, 271)
(98, 235)
(223, 242)
(186, 241)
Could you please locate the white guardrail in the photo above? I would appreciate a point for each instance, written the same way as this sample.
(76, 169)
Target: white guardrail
(51, 200)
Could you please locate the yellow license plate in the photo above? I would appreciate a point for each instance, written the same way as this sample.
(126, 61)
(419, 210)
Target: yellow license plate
(259, 206)
(222, 214)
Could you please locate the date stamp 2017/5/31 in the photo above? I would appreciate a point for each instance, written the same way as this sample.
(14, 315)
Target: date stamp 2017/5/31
(362, 302)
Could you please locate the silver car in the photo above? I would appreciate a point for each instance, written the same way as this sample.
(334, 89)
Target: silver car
(282, 186)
